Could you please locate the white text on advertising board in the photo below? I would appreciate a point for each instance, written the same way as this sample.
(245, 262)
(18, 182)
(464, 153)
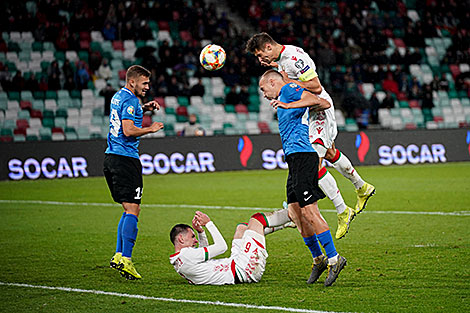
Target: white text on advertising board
(177, 163)
(32, 168)
(412, 154)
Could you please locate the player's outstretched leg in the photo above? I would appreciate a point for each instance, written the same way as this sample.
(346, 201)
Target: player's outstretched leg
(345, 214)
(364, 190)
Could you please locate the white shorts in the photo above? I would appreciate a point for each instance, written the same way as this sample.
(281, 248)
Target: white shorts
(322, 130)
(249, 254)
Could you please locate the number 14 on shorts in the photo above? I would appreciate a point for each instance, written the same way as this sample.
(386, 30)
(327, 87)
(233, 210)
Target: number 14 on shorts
(139, 192)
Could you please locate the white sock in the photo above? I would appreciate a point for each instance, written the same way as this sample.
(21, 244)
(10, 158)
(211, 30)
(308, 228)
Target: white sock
(270, 230)
(328, 184)
(277, 218)
(333, 260)
(344, 166)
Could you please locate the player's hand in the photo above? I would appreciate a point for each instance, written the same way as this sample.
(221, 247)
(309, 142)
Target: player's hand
(284, 75)
(197, 226)
(278, 104)
(202, 218)
(152, 105)
(156, 126)
(272, 64)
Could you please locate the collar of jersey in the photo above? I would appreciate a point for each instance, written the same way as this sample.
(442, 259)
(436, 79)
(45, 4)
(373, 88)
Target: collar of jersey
(127, 90)
(282, 50)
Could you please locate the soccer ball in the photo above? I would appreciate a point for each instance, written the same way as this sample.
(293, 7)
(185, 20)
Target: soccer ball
(212, 57)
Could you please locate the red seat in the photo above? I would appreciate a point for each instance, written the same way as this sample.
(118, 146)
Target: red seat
(182, 111)
(21, 123)
(122, 74)
(85, 36)
(410, 126)
(414, 104)
(57, 130)
(6, 138)
(20, 131)
(185, 35)
(402, 96)
(160, 101)
(399, 43)
(163, 25)
(438, 119)
(241, 108)
(84, 45)
(25, 105)
(264, 127)
(146, 121)
(455, 70)
(36, 113)
(118, 45)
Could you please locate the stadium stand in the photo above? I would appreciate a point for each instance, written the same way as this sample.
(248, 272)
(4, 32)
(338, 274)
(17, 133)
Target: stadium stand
(388, 64)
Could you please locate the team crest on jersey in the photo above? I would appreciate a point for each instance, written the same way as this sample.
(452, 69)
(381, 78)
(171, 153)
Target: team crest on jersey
(299, 64)
(130, 110)
(292, 85)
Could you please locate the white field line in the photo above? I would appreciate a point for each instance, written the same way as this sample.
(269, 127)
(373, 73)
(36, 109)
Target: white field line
(225, 207)
(126, 295)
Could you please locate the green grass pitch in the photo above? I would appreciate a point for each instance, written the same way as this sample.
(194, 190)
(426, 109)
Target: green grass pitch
(396, 262)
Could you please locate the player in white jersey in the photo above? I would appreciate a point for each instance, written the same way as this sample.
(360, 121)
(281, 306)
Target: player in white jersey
(248, 256)
(297, 65)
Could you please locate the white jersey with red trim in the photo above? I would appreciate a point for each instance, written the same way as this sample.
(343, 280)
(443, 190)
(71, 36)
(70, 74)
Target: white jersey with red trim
(197, 265)
(299, 66)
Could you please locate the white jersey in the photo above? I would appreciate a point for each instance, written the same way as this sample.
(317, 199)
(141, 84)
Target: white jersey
(322, 125)
(197, 265)
(247, 260)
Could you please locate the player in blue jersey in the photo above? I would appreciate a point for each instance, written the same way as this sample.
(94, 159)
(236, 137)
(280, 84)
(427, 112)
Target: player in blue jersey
(293, 103)
(122, 167)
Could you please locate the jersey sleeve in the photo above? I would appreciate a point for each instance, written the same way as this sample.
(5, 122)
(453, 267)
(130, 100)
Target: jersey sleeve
(303, 66)
(129, 109)
(203, 242)
(290, 93)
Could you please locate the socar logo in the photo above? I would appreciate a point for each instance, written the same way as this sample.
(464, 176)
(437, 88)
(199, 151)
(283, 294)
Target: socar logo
(362, 146)
(245, 147)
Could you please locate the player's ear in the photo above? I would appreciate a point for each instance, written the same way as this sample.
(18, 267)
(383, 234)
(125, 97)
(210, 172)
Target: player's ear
(268, 47)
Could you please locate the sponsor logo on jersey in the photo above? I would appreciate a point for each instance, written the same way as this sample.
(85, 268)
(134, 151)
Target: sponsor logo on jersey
(293, 85)
(130, 110)
(299, 64)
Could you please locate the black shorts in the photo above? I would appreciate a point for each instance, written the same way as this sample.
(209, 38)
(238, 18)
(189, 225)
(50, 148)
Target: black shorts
(124, 177)
(302, 182)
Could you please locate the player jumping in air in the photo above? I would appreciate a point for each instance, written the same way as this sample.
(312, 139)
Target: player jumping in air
(122, 167)
(297, 66)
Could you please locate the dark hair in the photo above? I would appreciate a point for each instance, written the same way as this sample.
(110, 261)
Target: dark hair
(258, 42)
(135, 71)
(178, 229)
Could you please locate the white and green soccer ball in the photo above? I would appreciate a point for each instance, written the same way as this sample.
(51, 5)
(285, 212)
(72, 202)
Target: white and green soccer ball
(212, 57)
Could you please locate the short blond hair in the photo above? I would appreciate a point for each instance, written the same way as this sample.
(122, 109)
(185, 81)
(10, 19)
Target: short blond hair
(136, 71)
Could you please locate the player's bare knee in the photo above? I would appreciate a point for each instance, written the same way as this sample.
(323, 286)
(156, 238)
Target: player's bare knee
(330, 154)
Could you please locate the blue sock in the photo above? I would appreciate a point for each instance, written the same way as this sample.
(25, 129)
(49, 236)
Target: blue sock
(119, 234)
(312, 243)
(327, 242)
(129, 234)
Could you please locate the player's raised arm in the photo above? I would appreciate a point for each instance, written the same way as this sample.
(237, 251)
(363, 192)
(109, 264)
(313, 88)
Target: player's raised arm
(129, 128)
(307, 99)
(219, 246)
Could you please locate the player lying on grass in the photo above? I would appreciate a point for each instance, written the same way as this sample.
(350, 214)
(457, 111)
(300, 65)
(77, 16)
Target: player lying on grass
(248, 254)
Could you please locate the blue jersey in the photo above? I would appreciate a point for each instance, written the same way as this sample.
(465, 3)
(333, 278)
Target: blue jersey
(124, 106)
(293, 123)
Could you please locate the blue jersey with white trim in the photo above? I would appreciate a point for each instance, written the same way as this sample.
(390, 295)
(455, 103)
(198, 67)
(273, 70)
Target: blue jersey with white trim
(124, 106)
(293, 123)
